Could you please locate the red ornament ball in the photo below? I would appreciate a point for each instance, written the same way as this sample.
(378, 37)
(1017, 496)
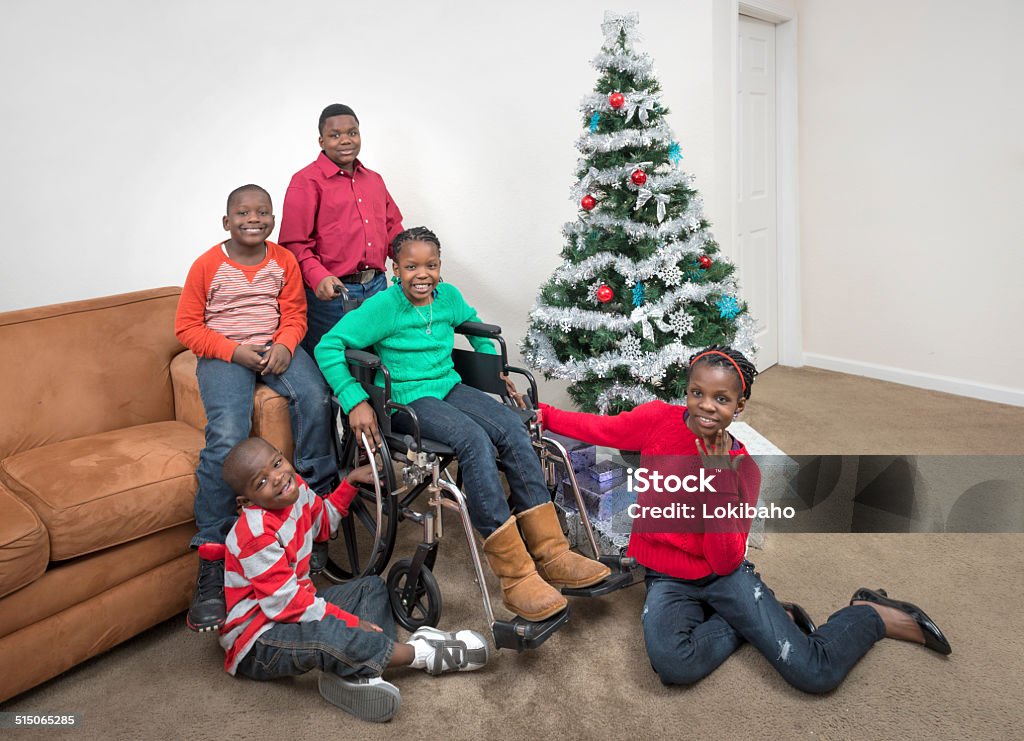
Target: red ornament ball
(705, 261)
(605, 294)
(639, 177)
(588, 202)
(616, 100)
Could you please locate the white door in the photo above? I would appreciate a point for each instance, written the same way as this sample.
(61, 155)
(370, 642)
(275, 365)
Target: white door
(756, 238)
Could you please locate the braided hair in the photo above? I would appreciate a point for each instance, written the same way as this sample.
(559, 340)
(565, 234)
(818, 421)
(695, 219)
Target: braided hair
(723, 356)
(415, 234)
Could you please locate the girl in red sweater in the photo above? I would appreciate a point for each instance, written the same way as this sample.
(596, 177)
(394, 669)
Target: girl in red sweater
(703, 598)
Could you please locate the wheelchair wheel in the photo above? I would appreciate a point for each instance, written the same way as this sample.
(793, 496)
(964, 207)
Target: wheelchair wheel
(366, 537)
(425, 606)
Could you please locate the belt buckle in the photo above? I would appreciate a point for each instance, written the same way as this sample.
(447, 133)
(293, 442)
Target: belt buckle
(365, 276)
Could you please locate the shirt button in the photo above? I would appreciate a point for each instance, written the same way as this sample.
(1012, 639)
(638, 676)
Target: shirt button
(367, 221)
(360, 200)
(369, 244)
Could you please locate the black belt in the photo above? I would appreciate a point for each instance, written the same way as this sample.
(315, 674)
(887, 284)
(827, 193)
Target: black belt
(363, 276)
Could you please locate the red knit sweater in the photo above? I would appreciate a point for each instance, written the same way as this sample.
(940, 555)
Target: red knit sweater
(658, 430)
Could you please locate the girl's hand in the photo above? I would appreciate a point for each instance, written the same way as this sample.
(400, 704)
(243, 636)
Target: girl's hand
(276, 360)
(363, 421)
(513, 392)
(714, 451)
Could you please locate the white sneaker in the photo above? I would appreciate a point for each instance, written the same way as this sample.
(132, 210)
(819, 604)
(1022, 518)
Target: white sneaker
(368, 699)
(439, 652)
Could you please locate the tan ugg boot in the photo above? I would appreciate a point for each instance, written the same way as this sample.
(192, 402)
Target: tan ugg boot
(550, 550)
(522, 590)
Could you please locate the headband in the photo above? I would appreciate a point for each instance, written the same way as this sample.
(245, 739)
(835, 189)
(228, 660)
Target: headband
(743, 383)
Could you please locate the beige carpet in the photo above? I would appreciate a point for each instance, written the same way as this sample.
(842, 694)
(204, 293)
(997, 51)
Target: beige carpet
(592, 680)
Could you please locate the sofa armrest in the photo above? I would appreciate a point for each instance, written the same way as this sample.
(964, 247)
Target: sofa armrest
(188, 405)
(270, 418)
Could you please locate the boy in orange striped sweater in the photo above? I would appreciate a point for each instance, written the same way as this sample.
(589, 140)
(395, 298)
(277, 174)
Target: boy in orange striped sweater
(243, 313)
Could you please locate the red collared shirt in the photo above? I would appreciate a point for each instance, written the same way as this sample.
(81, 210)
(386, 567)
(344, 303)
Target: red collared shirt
(336, 223)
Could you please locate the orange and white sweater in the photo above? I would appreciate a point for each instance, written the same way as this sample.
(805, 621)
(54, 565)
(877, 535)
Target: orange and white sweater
(225, 304)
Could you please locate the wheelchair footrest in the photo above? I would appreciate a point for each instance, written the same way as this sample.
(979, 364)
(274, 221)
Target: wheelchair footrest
(521, 634)
(624, 574)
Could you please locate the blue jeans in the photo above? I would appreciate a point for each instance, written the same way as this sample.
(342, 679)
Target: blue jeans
(323, 315)
(692, 627)
(291, 649)
(227, 389)
(474, 424)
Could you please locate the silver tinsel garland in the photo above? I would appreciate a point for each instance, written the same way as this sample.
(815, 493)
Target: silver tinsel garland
(641, 66)
(658, 134)
(620, 176)
(540, 354)
(688, 221)
(634, 102)
(635, 270)
(554, 316)
(635, 395)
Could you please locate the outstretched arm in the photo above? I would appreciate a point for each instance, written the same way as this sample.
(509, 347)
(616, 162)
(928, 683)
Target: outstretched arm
(628, 430)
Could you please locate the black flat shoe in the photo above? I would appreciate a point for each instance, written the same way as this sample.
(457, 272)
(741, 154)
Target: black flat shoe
(933, 637)
(801, 618)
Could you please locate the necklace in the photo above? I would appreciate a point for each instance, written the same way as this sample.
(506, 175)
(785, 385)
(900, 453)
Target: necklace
(426, 321)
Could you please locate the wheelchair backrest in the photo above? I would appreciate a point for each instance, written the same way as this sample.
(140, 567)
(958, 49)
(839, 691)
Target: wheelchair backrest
(480, 370)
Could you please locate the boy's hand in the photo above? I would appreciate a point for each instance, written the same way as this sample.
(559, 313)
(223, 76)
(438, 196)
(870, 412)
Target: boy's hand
(330, 288)
(276, 360)
(362, 420)
(369, 627)
(360, 475)
(250, 356)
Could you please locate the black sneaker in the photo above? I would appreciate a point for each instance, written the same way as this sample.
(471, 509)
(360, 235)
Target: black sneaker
(208, 610)
(319, 557)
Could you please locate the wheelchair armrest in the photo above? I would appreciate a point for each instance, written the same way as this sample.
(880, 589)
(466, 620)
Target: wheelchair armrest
(479, 329)
(532, 394)
(363, 359)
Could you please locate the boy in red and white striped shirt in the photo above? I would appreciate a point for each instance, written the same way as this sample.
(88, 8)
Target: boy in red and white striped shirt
(277, 624)
(242, 311)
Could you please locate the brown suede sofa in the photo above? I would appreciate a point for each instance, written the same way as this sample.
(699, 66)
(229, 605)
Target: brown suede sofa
(100, 435)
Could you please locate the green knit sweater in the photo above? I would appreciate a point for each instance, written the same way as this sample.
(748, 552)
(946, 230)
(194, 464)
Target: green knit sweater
(420, 364)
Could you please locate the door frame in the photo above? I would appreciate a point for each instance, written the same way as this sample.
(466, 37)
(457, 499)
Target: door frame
(784, 19)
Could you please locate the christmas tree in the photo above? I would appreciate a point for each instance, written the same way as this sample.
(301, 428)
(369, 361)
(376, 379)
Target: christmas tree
(642, 286)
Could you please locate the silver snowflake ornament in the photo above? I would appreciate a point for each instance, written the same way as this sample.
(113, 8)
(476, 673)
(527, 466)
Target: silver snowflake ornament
(681, 323)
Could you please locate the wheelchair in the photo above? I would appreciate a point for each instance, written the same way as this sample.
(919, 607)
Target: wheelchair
(369, 531)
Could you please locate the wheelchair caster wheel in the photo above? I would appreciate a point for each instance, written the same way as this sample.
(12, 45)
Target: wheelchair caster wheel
(416, 607)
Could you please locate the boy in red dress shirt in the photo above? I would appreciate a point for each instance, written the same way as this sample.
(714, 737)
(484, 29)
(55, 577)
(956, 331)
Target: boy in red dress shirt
(339, 220)
(243, 313)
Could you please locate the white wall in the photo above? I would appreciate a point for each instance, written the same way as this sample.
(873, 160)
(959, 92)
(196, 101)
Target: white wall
(911, 184)
(126, 124)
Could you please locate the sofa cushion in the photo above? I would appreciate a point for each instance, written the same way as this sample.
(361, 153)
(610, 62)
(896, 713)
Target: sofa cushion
(87, 367)
(24, 547)
(78, 580)
(101, 490)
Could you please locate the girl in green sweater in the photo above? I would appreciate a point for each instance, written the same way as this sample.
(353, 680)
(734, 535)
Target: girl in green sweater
(411, 326)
